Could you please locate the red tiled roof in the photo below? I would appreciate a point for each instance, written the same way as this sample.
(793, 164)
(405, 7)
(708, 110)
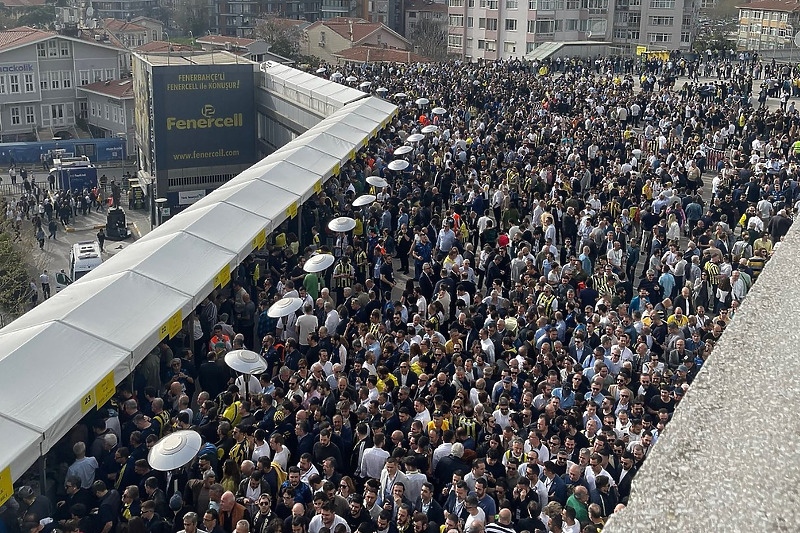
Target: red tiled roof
(163, 46)
(220, 40)
(386, 55)
(117, 25)
(21, 36)
(113, 88)
(772, 5)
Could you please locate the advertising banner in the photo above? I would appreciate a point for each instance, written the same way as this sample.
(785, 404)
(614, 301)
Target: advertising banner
(204, 115)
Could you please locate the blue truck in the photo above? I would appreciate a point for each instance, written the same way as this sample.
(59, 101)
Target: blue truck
(74, 173)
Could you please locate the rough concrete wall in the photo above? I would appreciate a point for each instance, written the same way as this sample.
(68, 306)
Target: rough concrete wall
(730, 459)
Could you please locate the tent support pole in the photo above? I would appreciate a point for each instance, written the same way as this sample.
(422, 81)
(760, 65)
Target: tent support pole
(42, 475)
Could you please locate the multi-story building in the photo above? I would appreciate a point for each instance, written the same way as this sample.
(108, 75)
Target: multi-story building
(327, 39)
(767, 25)
(424, 11)
(124, 9)
(110, 110)
(40, 73)
(494, 29)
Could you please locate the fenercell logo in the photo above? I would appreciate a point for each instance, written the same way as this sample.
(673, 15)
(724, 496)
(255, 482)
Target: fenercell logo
(209, 120)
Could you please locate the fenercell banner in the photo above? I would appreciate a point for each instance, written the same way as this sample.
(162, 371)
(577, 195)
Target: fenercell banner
(204, 115)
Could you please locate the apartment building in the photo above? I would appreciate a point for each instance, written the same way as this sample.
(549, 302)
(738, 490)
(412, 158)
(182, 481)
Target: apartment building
(505, 29)
(40, 74)
(767, 25)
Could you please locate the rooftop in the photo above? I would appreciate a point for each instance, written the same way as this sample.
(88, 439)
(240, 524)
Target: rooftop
(426, 5)
(216, 57)
(21, 36)
(772, 5)
(22, 3)
(222, 40)
(163, 46)
(120, 89)
(117, 25)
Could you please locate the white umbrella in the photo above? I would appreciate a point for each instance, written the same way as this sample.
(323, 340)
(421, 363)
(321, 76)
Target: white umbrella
(398, 164)
(284, 307)
(377, 181)
(439, 111)
(401, 95)
(431, 128)
(342, 224)
(422, 101)
(320, 70)
(174, 450)
(245, 362)
(382, 90)
(337, 76)
(318, 262)
(415, 137)
(364, 85)
(364, 199)
(402, 150)
(351, 79)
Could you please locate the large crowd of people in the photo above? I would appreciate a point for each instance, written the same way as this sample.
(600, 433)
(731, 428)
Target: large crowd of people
(503, 337)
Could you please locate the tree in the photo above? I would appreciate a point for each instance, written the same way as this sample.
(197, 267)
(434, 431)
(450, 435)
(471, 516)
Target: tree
(192, 15)
(41, 16)
(716, 36)
(430, 39)
(282, 35)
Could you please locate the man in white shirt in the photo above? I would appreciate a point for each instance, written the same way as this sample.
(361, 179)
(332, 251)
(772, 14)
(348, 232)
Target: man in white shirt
(83, 467)
(374, 458)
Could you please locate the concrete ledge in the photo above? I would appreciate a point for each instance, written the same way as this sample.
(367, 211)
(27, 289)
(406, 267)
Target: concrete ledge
(730, 459)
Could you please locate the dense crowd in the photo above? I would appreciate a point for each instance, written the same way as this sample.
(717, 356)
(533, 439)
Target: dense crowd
(503, 337)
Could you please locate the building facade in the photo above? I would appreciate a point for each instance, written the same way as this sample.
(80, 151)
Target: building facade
(110, 110)
(505, 29)
(40, 76)
(326, 39)
(767, 25)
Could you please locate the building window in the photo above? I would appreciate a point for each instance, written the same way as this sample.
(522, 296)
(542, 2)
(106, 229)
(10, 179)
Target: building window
(84, 77)
(66, 79)
(52, 48)
(114, 113)
(13, 83)
(122, 116)
(44, 82)
(489, 46)
(30, 117)
(509, 47)
(571, 25)
(55, 80)
(573, 4)
(470, 22)
(63, 48)
(511, 24)
(3, 85)
(454, 41)
(41, 50)
(531, 26)
(97, 75)
(530, 47)
(662, 21)
(659, 37)
(545, 26)
(110, 72)
(512, 4)
(532, 5)
(634, 3)
(456, 3)
(16, 119)
(30, 86)
(456, 21)
(83, 110)
(106, 111)
(784, 17)
(685, 37)
(492, 4)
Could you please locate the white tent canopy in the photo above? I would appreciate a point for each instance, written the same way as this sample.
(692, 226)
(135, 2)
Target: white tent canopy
(125, 308)
(172, 260)
(45, 372)
(21, 443)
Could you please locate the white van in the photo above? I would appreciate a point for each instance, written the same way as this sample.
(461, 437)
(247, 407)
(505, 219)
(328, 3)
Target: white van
(84, 257)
